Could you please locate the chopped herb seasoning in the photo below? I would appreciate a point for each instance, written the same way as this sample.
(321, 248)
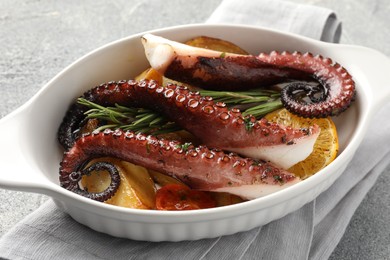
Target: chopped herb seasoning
(279, 179)
(184, 146)
(248, 124)
(256, 163)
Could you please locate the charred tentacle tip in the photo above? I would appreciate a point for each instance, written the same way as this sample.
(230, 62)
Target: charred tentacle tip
(69, 129)
(75, 178)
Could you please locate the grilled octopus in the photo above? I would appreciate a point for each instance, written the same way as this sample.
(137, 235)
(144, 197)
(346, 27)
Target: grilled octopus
(214, 124)
(333, 93)
(231, 158)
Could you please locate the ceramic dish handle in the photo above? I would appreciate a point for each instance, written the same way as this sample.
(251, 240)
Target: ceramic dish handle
(371, 67)
(16, 172)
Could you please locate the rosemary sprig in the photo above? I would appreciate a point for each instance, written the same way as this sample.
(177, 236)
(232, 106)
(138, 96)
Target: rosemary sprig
(253, 102)
(263, 109)
(242, 97)
(259, 102)
(129, 118)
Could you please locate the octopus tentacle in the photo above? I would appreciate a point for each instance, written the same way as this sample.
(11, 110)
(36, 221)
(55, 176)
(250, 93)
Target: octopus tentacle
(225, 71)
(71, 181)
(212, 122)
(195, 166)
(69, 129)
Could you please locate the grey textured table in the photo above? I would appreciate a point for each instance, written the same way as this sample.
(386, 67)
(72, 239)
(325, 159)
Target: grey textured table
(40, 38)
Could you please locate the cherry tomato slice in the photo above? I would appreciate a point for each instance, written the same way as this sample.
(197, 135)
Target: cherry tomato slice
(180, 197)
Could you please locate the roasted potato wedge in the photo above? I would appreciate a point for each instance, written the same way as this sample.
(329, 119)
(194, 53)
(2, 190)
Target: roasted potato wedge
(215, 44)
(150, 74)
(139, 179)
(135, 191)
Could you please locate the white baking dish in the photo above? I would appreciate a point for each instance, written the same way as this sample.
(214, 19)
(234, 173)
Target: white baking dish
(30, 154)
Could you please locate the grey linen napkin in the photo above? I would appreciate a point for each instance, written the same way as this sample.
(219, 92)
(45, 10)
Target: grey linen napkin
(311, 232)
(314, 22)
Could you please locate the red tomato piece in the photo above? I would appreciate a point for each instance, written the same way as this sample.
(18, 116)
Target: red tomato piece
(180, 197)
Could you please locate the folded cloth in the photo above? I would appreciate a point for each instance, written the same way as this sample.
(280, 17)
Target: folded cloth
(310, 232)
(310, 21)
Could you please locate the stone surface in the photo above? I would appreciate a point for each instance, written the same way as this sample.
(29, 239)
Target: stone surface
(40, 38)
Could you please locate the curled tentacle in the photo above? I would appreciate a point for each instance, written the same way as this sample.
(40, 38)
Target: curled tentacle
(298, 95)
(225, 71)
(69, 129)
(71, 180)
(200, 167)
(300, 90)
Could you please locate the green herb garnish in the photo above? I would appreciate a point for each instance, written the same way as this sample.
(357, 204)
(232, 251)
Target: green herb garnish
(140, 120)
(129, 118)
(184, 146)
(257, 102)
(248, 124)
(279, 179)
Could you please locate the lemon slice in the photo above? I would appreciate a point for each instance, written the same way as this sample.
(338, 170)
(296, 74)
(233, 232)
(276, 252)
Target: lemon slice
(325, 148)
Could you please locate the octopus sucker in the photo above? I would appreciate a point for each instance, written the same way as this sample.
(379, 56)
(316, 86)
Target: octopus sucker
(226, 71)
(213, 124)
(207, 169)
